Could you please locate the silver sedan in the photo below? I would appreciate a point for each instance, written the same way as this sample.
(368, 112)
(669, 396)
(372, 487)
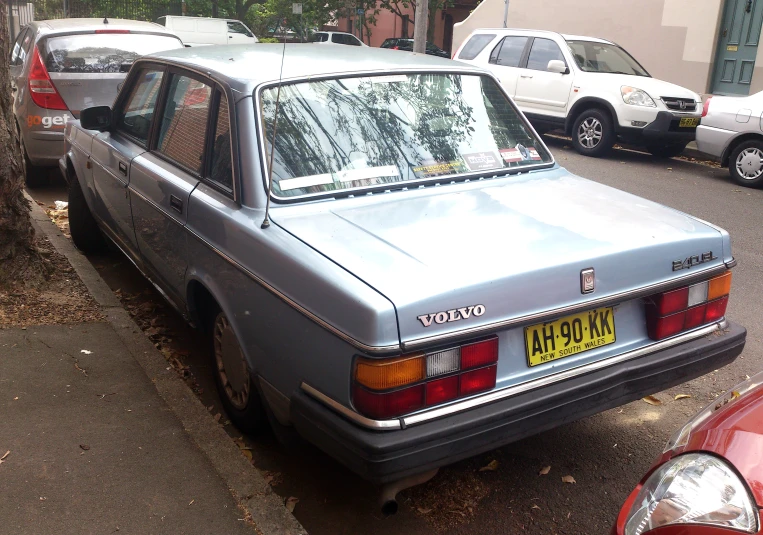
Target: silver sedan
(732, 130)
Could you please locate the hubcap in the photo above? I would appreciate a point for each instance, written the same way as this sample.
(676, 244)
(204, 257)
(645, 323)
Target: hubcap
(231, 364)
(590, 132)
(750, 163)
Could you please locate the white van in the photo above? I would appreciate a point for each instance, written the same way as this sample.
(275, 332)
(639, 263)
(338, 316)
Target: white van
(199, 31)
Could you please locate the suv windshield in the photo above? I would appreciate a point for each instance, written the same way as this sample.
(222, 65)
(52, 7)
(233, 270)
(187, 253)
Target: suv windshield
(97, 53)
(604, 57)
(341, 134)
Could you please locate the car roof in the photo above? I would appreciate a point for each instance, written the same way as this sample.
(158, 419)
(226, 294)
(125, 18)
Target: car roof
(83, 25)
(566, 37)
(243, 67)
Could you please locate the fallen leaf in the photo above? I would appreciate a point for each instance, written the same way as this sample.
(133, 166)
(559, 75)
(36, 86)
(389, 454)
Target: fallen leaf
(217, 417)
(545, 470)
(492, 466)
(682, 396)
(535, 506)
(2, 459)
(291, 503)
(423, 511)
(84, 447)
(247, 454)
(735, 394)
(17, 398)
(191, 502)
(670, 168)
(86, 352)
(568, 479)
(652, 400)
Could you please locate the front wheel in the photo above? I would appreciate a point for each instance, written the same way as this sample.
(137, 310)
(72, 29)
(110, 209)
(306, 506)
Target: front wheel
(593, 133)
(746, 164)
(235, 383)
(666, 151)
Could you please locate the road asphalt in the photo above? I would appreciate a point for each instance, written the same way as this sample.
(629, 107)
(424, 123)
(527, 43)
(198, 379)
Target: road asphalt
(103, 437)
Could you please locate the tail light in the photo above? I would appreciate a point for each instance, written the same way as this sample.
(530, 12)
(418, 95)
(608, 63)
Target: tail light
(395, 48)
(385, 388)
(706, 106)
(41, 89)
(670, 313)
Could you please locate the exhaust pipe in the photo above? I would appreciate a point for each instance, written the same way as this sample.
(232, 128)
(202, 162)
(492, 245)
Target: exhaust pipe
(388, 491)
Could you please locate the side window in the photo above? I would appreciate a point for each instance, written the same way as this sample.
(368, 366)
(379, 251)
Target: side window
(237, 27)
(337, 38)
(184, 122)
(221, 170)
(16, 53)
(475, 45)
(354, 41)
(543, 51)
(138, 111)
(509, 52)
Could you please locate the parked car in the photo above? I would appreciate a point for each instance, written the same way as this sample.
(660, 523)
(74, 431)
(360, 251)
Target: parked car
(709, 479)
(731, 131)
(202, 31)
(590, 88)
(399, 43)
(59, 67)
(406, 276)
(336, 38)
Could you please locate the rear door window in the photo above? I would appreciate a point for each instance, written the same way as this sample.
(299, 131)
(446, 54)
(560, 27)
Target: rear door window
(138, 111)
(184, 122)
(543, 51)
(221, 168)
(102, 53)
(320, 38)
(475, 45)
(509, 51)
(21, 47)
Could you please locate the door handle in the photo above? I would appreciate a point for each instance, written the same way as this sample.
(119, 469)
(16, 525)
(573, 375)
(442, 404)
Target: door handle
(525, 76)
(725, 31)
(176, 204)
(123, 168)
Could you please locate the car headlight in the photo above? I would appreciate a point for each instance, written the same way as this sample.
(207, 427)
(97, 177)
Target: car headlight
(636, 97)
(695, 488)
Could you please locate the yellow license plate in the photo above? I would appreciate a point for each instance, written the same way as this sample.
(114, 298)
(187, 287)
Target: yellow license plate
(688, 122)
(569, 335)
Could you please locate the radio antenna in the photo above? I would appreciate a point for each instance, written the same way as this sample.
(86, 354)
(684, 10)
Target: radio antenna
(266, 222)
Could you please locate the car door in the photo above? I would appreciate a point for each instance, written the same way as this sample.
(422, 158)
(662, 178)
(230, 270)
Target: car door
(538, 90)
(505, 59)
(113, 152)
(161, 180)
(238, 33)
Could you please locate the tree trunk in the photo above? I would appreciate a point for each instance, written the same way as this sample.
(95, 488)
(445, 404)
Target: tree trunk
(16, 233)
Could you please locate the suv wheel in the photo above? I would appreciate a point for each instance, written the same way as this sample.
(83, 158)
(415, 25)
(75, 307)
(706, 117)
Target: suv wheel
(592, 133)
(84, 230)
(666, 151)
(746, 164)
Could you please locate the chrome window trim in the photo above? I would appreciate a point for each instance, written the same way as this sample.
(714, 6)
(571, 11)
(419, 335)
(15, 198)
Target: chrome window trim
(382, 350)
(510, 391)
(547, 315)
(408, 184)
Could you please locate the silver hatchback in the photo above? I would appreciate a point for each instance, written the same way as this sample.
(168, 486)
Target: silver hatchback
(59, 67)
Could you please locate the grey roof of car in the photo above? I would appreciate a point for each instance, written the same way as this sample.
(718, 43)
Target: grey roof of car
(83, 25)
(243, 67)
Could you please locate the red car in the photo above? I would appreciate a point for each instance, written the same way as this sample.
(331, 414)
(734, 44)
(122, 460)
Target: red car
(709, 479)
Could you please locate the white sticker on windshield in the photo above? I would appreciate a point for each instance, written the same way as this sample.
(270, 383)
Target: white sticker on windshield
(350, 175)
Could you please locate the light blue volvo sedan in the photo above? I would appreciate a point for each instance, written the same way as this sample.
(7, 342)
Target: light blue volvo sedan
(385, 254)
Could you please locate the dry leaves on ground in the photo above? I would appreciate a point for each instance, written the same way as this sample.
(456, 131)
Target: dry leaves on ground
(291, 503)
(60, 217)
(492, 466)
(681, 396)
(545, 470)
(568, 479)
(2, 459)
(652, 400)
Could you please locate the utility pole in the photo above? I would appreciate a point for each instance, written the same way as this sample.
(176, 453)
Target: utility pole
(420, 26)
(505, 13)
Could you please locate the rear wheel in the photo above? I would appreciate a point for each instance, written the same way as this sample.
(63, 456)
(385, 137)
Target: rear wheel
(235, 383)
(746, 164)
(84, 230)
(666, 151)
(34, 176)
(593, 133)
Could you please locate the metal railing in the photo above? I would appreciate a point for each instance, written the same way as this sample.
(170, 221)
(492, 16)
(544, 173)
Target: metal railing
(148, 10)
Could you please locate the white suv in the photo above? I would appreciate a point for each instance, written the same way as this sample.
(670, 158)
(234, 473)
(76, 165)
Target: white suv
(591, 88)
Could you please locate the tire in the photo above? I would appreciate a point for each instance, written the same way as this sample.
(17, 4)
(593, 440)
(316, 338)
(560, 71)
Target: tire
(235, 384)
(33, 175)
(593, 133)
(666, 151)
(746, 164)
(84, 230)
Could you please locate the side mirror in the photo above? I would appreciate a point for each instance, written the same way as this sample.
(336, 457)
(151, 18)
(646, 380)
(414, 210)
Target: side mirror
(556, 65)
(96, 118)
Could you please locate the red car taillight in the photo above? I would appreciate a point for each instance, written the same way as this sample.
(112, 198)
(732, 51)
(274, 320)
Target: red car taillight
(670, 313)
(41, 89)
(385, 388)
(706, 106)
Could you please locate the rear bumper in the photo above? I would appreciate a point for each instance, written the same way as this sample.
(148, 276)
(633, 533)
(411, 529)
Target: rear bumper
(664, 129)
(713, 141)
(44, 148)
(383, 456)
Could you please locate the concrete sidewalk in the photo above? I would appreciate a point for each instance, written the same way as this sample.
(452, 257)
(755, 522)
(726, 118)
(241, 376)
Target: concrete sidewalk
(105, 438)
(93, 448)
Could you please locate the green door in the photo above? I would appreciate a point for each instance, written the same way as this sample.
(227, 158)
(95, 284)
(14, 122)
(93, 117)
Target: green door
(737, 47)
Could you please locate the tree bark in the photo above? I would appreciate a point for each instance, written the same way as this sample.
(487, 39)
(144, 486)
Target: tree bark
(17, 249)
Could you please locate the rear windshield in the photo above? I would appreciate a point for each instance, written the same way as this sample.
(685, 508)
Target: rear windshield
(350, 133)
(475, 45)
(100, 53)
